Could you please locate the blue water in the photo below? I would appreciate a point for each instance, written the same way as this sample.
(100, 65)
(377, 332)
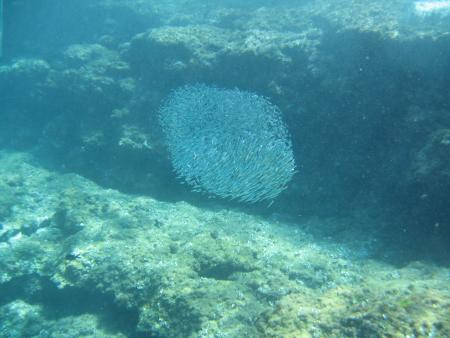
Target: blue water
(224, 169)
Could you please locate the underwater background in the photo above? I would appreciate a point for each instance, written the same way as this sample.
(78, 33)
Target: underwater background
(224, 168)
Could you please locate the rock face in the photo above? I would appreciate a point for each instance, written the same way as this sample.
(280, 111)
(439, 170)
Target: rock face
(81, 260)
(363, 88)
(360, 96)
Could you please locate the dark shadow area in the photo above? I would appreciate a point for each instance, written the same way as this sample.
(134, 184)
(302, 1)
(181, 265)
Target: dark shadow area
(70, 301)
(220, 271)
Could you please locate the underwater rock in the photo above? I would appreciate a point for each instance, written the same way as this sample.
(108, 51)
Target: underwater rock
(432, 162)
(202, 273)
(430, 7)
(64, 220)
(20, 319)
(344, 73)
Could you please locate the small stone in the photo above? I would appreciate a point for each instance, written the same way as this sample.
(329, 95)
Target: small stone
(214, 234)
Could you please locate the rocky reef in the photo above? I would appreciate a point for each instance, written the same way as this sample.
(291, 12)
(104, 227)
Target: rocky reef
(81, 260)
(89, 208)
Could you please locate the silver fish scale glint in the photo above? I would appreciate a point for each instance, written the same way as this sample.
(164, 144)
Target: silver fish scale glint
(229, 143)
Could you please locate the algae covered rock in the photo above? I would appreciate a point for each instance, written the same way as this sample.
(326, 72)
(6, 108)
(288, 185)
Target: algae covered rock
(175, 270)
